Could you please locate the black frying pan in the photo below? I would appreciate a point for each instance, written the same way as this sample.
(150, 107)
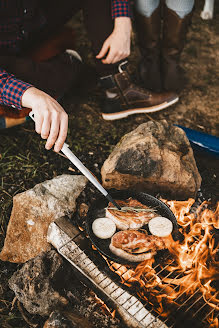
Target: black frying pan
(97, 210)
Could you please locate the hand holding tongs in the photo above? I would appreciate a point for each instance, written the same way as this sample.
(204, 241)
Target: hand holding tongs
(68, 153)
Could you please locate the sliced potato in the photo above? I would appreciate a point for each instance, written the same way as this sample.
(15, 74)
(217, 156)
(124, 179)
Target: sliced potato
(160, 226)
(104, 228)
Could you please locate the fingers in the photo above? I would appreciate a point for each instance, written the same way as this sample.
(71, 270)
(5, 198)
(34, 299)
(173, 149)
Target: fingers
(62, 132)
(46, 125)
(54, 130)
(114, 56)
(103, 50)
(51, 122)
(38, 123)
(115, 48)
(110, 57)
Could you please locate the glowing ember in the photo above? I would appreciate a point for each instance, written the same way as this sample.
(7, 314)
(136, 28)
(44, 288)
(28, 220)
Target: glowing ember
(187, 277)
(103, 306)
(94, 248)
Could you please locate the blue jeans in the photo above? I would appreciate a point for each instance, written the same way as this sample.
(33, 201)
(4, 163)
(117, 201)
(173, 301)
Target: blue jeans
(181, 7)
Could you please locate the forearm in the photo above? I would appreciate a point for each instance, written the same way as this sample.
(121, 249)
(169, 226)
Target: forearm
(123, 25)
(32, 97)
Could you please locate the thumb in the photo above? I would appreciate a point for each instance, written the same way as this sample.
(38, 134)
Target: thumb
(103, 50)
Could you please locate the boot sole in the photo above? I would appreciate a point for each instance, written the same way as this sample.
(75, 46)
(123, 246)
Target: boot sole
(125, 113)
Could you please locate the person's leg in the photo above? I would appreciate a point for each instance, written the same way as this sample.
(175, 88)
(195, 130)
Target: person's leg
(148, 25)
(146, 7)
(57, 13)
(123, 97)
(177, 17)
(181, 7)
(99, 25)
(43, 61)
(53, 76)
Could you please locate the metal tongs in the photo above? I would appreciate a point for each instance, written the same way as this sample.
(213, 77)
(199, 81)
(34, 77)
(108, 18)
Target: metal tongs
(76, 161)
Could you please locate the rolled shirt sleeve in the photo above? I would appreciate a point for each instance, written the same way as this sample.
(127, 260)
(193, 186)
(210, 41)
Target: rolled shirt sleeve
(11, 89)
(121, 8)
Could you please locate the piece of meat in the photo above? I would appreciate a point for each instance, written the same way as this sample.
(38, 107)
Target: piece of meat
(129, 219)
(135, 246)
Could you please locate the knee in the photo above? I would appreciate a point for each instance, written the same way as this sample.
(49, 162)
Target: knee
(181, 7)
(146, 7)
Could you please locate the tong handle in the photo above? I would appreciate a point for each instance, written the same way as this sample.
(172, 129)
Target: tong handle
(76, 161)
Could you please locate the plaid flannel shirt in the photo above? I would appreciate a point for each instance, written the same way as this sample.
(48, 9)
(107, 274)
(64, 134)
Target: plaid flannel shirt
(121, 8)
(11, 88)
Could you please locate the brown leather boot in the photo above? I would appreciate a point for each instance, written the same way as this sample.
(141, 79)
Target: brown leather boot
(124, 98)
(174, 34)
(148, 34)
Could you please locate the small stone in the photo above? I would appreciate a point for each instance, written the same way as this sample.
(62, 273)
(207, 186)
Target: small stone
(156, 157)
(83, 209)
(33, 211)
(71, 169)
(57, 320)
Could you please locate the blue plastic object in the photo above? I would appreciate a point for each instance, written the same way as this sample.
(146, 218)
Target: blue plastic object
(203, 141)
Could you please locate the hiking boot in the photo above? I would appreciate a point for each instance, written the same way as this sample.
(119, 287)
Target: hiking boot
(124, 98)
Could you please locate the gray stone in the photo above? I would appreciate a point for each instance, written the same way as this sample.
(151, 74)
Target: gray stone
(58, 320)
(38, 283)
(156, 157)
(33, 211)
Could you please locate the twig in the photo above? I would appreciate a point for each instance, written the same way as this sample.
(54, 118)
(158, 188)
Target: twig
(13, 302)
(200, 126)
(6, 193)
(20, 307)
(27, 130)
(152, 119)
(60, 154)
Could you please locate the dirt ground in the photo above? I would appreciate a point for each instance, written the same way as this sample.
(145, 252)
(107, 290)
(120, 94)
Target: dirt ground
(24, 161)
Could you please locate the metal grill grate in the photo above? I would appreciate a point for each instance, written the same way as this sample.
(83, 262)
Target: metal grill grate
(72, 244)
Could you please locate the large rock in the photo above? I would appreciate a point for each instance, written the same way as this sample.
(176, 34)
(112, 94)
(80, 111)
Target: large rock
(33, 211)
(156, 157)
(38, 283)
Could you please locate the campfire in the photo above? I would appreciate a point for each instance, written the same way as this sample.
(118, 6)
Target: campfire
(184, 278)
(175, 288)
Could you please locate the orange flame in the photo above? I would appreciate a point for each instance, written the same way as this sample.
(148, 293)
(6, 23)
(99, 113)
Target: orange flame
(191, 269)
